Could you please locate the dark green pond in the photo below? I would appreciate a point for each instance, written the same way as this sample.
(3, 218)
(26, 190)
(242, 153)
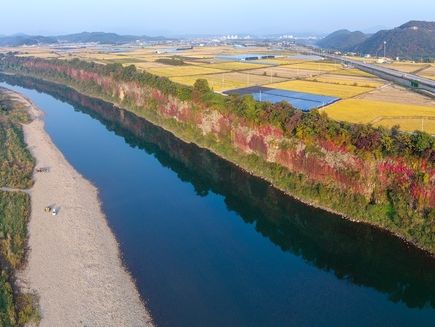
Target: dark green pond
(209, 245)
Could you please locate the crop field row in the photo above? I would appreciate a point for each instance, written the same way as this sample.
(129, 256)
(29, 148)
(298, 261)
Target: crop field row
(147, 65)
(40, 55)
(405, 67)
(353, 72)
(397, 94)
(234, 65)
(217, 82)
(226, 81)
(348, 80)
(429, 72)
(424, 124)
(340, 91)
(316, 66)
(174, 71)
(284, 72)
(408, 117)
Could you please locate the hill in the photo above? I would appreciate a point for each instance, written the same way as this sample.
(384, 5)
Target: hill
(342, 40)
(23, 39)
(84, 37)
(413, 40)
(105, 38)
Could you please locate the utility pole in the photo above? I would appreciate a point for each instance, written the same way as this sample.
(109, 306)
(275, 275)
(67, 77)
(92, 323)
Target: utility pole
(385, 49)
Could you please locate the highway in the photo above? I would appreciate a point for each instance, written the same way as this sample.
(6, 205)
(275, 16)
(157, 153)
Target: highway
(417, 83)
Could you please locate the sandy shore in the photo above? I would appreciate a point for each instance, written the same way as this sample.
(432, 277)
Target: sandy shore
(73, 261)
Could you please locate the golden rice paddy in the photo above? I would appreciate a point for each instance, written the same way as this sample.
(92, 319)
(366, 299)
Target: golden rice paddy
(217, 82)
(340, 91)
(423, 124)
(347, 80)
(353, 72)
(174, 71)
(233, 65)
(316, 65)
(284, 72)
(408, 117)
(225, 81)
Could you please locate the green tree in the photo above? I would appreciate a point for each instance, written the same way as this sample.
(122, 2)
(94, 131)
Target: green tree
(201, 86)
(421, 142)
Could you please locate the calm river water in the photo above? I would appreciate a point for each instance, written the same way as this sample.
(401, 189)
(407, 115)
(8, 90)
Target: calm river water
(209, 245)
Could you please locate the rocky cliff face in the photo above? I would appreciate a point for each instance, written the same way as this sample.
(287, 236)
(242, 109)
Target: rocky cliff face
(322, 162)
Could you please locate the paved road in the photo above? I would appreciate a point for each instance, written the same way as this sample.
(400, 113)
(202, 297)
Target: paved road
(386, 70)
(415, 82)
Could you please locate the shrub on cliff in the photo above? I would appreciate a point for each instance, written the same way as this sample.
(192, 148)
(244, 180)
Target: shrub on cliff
(306, 126)
(200, 88)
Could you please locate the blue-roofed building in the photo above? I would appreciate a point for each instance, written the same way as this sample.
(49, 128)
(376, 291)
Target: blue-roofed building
(246, 57)
(299, 100)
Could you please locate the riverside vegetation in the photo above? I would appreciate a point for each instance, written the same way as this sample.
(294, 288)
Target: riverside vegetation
(16, 168)
(376, 175)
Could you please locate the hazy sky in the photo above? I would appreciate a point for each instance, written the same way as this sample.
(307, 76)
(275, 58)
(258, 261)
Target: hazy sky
(173, 17)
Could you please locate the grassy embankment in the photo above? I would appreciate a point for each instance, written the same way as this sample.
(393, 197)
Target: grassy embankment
(16, 169)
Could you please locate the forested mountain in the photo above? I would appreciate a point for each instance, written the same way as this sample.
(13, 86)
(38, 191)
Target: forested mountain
(342, 40)
(413, 40)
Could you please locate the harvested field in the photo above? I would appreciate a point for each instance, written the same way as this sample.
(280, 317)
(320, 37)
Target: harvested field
(353, 72)
(349, 80)
(49, 54)
(149, 64)
(428, 72)
(226, 81)
(315, 65)
(127, 61)
(340, 91)
(174, 71)
(397, 94)
(281, 61)
(216, 82)
(233, 65)
(284, 72)
(404, 67)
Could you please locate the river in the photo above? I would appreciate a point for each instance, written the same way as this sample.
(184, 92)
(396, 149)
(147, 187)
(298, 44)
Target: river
(209, 245)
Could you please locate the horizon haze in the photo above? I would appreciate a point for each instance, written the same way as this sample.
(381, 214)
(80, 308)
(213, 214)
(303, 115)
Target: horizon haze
(171, 18)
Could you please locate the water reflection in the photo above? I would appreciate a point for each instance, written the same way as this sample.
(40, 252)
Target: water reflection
(354, 252)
